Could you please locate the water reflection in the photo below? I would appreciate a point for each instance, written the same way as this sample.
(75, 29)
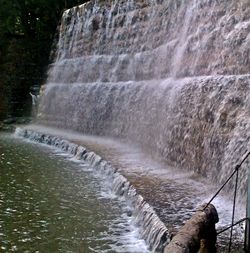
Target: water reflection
(50, 204)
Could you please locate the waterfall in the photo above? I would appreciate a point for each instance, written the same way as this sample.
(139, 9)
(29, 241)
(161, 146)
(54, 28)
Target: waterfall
(185, 123)
(169, 75)
(115, 74)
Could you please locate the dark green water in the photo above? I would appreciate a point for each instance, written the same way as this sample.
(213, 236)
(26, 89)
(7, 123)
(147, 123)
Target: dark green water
(49, 203)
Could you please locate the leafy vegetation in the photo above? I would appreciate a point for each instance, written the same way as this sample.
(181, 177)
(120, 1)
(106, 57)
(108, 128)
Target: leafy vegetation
(27, 30)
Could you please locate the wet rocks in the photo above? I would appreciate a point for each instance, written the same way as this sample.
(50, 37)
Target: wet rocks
(10, 123)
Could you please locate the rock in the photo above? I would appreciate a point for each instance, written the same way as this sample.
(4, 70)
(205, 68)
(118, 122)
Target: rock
(7, 127)
(23, 120)
(9, 121)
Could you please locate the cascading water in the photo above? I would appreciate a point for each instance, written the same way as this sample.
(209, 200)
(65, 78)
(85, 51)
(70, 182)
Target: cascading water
(112, 77)
(169, 75)
(152, 229)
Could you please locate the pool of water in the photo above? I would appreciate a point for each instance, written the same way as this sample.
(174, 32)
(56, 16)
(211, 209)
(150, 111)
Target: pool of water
(49, 203)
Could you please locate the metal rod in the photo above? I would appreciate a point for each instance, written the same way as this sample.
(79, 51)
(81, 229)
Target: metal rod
(234, 203)
(244, 159)
(215, 195)
(236, 168)
(236, 223)
(247, 229)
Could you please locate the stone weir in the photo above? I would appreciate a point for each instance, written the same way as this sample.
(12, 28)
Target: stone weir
(152, 229)
(169, 75)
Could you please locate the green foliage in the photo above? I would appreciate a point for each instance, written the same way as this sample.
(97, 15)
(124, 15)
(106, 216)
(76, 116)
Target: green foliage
(27, 30)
